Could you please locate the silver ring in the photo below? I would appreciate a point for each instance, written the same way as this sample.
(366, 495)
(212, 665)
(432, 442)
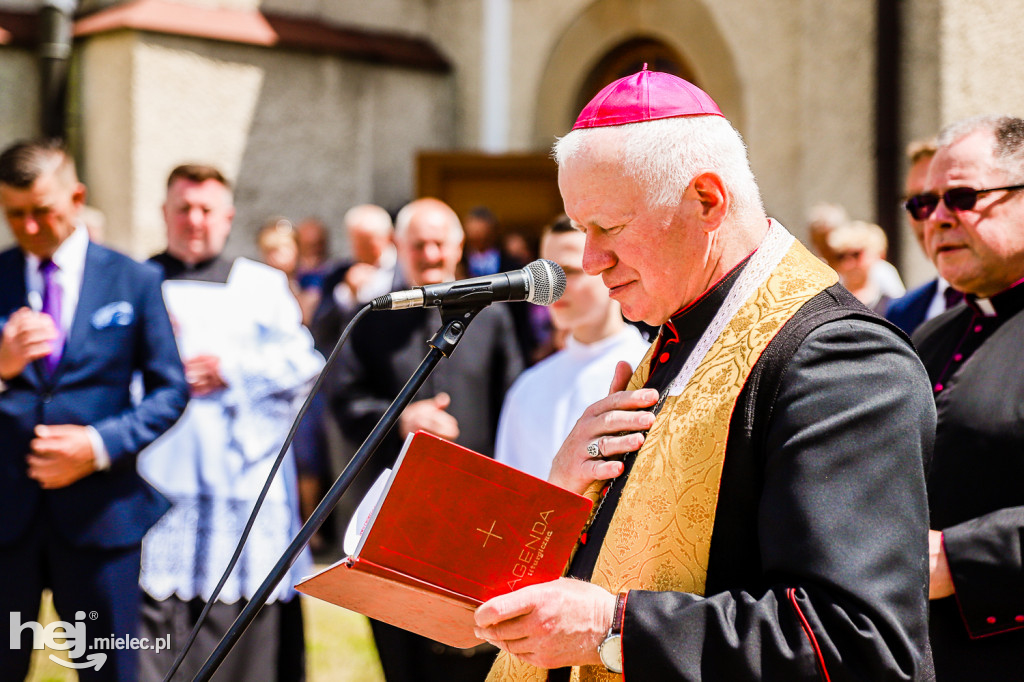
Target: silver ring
(594, 449)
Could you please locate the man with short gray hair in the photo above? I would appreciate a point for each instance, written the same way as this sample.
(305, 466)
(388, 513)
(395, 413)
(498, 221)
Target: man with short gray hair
(973, 212)
(460, 401)
(758, 482)
(369, 273)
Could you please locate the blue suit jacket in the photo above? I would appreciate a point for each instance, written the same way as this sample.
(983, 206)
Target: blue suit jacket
(908, 311)
(120, 327)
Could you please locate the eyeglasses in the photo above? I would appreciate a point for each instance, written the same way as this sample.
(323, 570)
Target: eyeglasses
(920, 206)
(849, 255)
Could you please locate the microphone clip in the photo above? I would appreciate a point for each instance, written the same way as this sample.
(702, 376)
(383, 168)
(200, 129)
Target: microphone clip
(454, 322)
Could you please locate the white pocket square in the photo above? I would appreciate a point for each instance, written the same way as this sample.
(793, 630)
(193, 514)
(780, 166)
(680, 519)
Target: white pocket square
(118, 314)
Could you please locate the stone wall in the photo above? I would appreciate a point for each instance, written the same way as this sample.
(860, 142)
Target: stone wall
(300, 134)
(19, 103)
(306, 132)
(796, 79)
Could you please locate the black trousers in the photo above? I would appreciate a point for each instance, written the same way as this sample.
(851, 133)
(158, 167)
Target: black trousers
(271, 650)
(407, 657)
(96, 590)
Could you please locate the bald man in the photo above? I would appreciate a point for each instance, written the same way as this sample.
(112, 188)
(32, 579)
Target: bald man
(370, 273)
(460, 401)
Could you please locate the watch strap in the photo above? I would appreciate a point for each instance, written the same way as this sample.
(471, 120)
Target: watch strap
(610, 650)
(619, 614)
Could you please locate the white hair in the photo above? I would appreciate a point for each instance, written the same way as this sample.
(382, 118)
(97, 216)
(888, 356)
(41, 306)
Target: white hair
(665, 155)
(1007, 134)
(858, 234)
(827, 216)
(369, 218)
(405, 216)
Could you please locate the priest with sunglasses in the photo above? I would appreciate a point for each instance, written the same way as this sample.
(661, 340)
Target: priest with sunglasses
(758, 481)
(974, 224)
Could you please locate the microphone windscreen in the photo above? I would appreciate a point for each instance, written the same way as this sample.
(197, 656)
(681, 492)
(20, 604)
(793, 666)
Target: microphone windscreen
(547, 282)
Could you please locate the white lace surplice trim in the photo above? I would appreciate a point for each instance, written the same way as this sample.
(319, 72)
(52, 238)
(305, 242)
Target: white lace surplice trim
(186, 552)
(769, 254)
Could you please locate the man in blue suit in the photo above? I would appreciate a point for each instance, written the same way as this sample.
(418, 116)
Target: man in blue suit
(910, 310)
(78, 322)
(931, 298)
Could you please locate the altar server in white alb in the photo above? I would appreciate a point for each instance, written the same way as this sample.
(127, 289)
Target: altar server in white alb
(546, 400)
(249, 363)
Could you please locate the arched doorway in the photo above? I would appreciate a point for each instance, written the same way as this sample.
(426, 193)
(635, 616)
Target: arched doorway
(629, 57)
(612, 38)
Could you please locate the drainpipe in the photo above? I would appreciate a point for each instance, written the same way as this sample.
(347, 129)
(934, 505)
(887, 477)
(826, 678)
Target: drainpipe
(55, 20)
(888, 113)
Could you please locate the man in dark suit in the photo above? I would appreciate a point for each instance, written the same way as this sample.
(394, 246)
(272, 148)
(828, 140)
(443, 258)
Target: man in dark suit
(369, 273)
(973, 210)
(79, 321)
(371, 270)
(484, 255)
(460, 401)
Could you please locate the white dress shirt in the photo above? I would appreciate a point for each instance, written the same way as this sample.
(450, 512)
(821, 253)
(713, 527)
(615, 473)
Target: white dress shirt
(887, 278)
(70, 260)
(378, 285)
(938, 304)
(546, 400)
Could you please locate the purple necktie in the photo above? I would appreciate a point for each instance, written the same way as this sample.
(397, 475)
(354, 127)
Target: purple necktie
(51, 306)
(952, 297)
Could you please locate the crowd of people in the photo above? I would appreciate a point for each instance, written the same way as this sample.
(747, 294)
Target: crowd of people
(857, 251)
(786, 484)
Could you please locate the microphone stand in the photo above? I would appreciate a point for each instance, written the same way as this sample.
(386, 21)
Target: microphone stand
(454, 323)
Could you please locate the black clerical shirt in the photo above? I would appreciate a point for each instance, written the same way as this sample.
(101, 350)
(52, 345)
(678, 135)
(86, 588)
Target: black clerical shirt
(974, 355)
(215, 269)
(974, 323)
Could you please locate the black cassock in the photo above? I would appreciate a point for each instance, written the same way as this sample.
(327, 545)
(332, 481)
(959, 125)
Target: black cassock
(383, 351)
(818, 559)
(974, 354)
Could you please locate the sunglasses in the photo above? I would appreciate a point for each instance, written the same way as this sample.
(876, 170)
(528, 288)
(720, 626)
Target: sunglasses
(920, 206)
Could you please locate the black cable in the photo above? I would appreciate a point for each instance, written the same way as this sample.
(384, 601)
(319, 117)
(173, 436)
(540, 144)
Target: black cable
(263, 493)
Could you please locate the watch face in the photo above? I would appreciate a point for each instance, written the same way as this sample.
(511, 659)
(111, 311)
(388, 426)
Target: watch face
(610, 652)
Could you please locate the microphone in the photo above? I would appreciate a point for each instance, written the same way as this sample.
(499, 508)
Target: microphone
(541, 282)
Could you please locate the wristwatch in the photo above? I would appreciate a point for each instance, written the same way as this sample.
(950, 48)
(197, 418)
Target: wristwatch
(610, 649)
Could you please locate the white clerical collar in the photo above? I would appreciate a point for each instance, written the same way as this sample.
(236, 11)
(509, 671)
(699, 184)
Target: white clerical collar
(985, 306)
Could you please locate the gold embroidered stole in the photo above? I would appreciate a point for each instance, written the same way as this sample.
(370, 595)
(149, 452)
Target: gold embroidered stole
(660, 534)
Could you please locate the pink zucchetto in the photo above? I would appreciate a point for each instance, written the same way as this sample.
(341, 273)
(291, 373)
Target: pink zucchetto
(645, 96)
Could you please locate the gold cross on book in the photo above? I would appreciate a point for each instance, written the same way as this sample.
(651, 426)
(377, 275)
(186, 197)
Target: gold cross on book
(488, 534)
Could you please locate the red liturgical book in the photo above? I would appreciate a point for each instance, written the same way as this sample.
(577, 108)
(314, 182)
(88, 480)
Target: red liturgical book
(452, 529)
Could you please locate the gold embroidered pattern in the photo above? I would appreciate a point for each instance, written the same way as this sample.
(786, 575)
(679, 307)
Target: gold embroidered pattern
(660, 534)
